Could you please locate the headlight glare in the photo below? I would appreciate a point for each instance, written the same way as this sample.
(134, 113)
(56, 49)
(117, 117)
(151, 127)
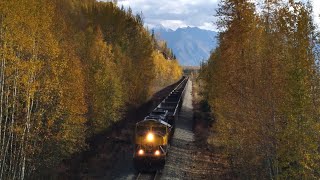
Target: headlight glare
(150, 137)
(157, 153)
(141, 152)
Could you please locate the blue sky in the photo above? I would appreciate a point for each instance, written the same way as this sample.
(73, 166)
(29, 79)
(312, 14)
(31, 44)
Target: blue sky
(182, 13)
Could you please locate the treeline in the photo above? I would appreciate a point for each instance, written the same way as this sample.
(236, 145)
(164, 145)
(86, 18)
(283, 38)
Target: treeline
(68, 70)
(263, 85)
(166, 63)
(162, 47)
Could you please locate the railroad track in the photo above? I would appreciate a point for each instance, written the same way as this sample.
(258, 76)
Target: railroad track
(147, 176)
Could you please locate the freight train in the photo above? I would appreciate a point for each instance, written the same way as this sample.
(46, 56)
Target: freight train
(153, 134)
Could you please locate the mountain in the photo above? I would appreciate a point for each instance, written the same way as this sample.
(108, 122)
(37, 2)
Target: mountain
(191, 45)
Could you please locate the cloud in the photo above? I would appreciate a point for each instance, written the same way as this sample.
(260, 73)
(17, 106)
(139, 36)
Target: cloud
(181, 13)
(173, 24)
(207, 26)
(175, 13)
(316, 11)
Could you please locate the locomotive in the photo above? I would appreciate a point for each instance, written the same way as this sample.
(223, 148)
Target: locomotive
(154, 132)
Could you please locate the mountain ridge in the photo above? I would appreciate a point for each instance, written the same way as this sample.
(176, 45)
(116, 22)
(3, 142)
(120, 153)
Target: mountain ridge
(191, 45)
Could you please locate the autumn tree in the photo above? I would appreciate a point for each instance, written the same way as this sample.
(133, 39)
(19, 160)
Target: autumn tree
(261, 83)
(68, 70)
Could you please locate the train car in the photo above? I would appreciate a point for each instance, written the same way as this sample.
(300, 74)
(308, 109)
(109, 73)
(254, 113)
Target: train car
(153, 134)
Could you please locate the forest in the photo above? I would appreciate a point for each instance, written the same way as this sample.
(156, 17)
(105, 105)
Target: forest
(68, 70)
(262, 84)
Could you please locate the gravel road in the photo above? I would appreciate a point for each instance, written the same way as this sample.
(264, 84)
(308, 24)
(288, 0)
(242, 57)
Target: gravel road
(182, 150)
(186, 160)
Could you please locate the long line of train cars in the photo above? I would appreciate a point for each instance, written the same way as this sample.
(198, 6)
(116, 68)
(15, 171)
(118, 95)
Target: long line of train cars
(153, 134)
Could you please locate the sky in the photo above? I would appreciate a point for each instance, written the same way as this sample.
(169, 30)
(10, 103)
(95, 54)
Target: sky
(182, 13)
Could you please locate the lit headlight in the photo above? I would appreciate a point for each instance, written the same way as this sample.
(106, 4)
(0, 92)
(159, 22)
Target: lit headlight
(157, 153)
(150, 137)
(141, 152)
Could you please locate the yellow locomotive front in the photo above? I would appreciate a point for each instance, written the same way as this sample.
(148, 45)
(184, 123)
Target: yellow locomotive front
(151, 143)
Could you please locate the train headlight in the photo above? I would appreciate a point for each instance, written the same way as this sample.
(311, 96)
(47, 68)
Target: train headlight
(157, 153)
(150, 137)
(141, 152)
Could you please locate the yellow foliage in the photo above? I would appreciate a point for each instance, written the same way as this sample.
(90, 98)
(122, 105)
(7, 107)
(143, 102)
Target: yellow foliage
(166, 71)
(63, 79)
